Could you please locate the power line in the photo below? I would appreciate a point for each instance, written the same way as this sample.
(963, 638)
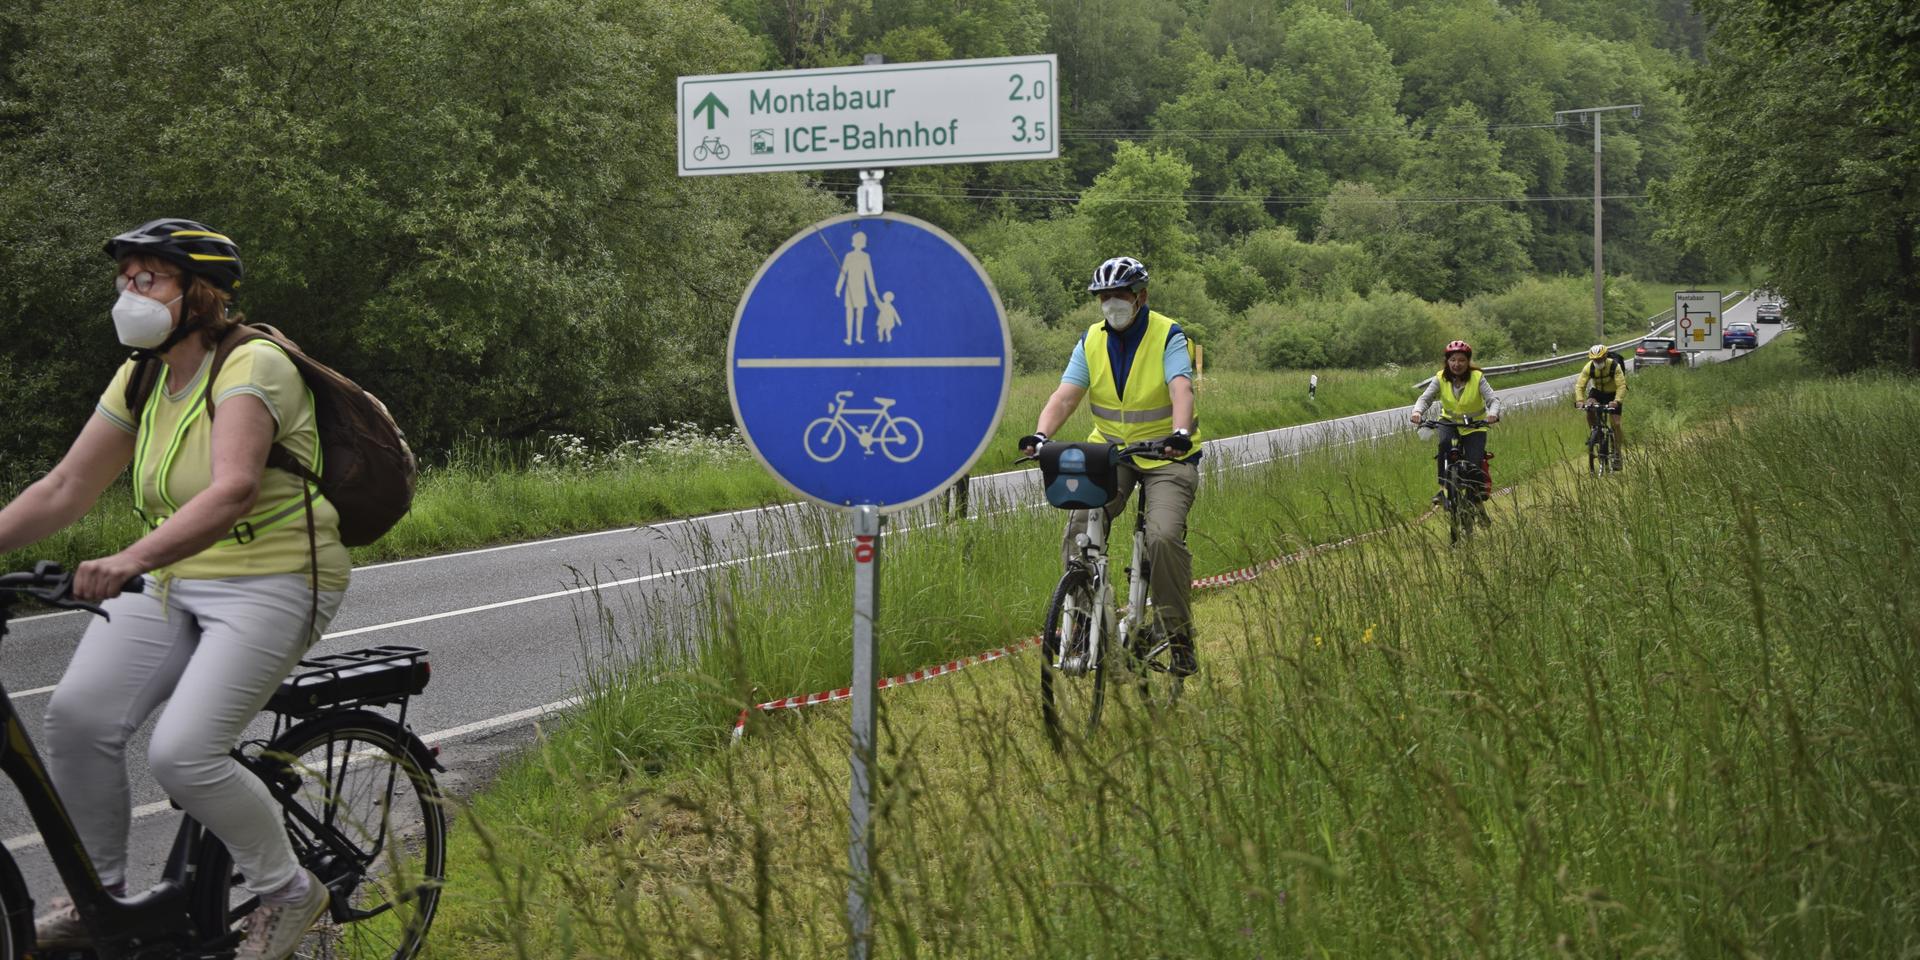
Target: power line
(1035, 196)
(1282, 133)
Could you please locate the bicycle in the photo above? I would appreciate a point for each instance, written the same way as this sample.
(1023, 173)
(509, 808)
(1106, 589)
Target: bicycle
(355, 786)
(1461, 495)
(1603, 456)
(899, 438)
(1082, 619)
(713, 146)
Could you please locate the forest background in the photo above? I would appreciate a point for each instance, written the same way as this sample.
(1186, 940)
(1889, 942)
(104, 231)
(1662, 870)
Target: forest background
(471, 205)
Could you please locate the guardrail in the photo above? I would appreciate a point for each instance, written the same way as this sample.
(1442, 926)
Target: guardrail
(1658, 323)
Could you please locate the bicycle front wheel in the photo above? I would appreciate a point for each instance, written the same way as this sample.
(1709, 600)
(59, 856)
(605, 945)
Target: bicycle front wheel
(365, 815)
(1072, 674)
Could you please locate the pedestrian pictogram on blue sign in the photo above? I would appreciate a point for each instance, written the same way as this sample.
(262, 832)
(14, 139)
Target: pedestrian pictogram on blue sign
(869, 361)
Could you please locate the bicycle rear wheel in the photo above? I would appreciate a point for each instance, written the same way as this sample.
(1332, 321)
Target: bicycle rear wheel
(1071, 686)
(366, 816)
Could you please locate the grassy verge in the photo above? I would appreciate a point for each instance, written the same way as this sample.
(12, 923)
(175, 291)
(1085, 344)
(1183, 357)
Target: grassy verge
(487, 494)
(1681, 730)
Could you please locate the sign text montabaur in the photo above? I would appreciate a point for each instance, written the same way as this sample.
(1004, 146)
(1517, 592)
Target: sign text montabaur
(887, 115)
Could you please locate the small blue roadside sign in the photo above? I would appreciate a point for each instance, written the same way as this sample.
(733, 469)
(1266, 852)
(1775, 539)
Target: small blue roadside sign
(869, 361)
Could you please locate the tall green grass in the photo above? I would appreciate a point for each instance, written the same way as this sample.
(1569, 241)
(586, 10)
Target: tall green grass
(1667, 713)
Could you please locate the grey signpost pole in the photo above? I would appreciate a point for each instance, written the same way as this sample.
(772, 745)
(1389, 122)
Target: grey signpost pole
(966, 111)
(866, 600)
(1599, 271)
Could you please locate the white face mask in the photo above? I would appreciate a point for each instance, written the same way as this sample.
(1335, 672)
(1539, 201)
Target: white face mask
(142, 322)
(1119, 312)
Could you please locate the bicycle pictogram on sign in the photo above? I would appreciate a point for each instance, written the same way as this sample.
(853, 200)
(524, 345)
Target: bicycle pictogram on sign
(899, 438)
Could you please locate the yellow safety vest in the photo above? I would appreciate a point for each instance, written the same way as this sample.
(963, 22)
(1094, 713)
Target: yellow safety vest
(1469, 405)
(1146, 412)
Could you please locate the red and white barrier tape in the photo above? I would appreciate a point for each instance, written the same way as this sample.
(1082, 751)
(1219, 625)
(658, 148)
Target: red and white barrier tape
(924, 673)
(1242, 575)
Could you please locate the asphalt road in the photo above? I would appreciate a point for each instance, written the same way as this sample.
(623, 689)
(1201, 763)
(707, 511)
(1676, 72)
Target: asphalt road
(503, 622)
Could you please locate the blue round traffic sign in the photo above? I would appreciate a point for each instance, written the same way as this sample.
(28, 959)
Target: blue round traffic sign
(869, 361)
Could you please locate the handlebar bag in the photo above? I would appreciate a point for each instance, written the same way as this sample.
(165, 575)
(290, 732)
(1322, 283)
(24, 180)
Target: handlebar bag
(1078, 476)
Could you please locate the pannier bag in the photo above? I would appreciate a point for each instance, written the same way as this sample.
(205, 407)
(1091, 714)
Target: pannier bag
(1078, 476)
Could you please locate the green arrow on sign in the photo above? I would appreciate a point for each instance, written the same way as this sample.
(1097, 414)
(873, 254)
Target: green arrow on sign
(713, 107)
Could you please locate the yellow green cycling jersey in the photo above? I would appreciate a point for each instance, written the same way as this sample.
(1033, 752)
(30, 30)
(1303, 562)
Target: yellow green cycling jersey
(173, 463)
(1606, 376)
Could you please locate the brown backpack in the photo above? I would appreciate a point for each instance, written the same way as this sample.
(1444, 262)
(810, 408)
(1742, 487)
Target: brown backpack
(367, 471)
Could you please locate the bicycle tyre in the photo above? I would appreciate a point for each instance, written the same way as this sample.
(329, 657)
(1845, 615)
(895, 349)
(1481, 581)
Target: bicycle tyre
(908, 435)
(1454, 511)
(1069, 615)
(830, 440)
(385, 892)
(16, 910)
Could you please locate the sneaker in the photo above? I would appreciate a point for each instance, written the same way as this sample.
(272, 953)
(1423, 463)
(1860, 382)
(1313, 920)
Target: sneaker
(60, 926)
(275, 929)
(1184, 662)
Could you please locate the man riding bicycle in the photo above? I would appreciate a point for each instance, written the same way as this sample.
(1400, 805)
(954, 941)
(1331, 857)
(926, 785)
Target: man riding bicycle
(1464, 395)
(1602, 383)
(1135, 365)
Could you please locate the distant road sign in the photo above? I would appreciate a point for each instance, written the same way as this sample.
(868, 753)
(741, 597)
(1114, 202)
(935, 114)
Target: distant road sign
(869, 361)
(1696, 319)
(886, 115)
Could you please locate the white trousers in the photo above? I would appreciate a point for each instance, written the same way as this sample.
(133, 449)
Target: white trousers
(215, 650)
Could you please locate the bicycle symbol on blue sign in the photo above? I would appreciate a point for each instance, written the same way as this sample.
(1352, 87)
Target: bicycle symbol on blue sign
(898, 437)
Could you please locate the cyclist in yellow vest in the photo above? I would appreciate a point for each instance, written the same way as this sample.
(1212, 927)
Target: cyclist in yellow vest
(235, 590)
(1602, 383)
(1135, 370)
(1464, 395)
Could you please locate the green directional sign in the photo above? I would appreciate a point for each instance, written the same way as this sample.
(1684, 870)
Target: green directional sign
(883, 115)
(711, 106)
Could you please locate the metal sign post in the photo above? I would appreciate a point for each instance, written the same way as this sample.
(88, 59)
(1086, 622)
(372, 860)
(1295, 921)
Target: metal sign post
(881, 322)
(867, 522)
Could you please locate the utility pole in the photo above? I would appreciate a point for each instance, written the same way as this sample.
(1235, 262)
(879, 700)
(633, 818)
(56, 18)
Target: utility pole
(1599, 271)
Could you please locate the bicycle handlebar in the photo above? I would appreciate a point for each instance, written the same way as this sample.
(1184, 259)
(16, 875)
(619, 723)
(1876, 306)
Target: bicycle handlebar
(48, 583)
(1144, 448)
(1425, 424)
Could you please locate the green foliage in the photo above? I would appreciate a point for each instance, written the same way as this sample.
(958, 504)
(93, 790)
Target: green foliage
(1224, 94)
(1537, 313)
(1832, 204)
(1137, 207)
(468, 206)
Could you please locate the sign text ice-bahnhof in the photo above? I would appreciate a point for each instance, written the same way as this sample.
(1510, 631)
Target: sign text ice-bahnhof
(885, 115)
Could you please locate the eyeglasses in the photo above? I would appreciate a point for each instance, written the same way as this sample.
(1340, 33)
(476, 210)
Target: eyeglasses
(141, 282)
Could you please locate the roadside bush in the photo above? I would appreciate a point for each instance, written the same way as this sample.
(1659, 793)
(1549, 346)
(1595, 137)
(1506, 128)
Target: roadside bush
(1040, 266)
(1040, 347)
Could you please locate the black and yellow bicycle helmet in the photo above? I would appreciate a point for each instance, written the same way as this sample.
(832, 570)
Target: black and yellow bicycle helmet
(186, 244)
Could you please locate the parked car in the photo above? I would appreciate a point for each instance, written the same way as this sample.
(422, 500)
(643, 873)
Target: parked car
(1654, 351)
(1769, 312)
(1739, 333)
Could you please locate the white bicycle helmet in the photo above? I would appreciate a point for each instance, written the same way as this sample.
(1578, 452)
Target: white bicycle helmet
(1119, 273)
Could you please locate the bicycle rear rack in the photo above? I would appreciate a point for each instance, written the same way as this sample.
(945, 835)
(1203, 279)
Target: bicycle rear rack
(381, 676)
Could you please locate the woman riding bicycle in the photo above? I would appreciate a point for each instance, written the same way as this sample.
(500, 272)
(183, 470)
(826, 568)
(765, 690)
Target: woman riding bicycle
(1464, 395)
(239, 584)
